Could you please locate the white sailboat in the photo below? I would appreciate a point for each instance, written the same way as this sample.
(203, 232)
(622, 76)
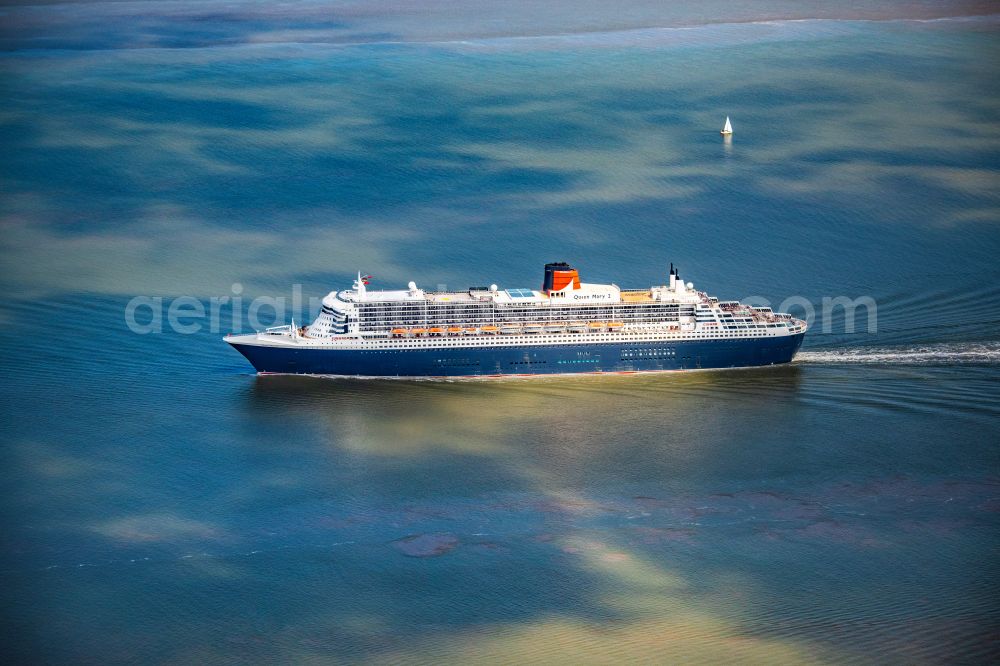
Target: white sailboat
(727, 129)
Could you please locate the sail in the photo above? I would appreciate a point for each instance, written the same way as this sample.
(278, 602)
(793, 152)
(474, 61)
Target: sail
(727, 128)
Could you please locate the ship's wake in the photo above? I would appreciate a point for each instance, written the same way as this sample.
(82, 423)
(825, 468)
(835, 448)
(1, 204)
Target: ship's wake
(964, 353)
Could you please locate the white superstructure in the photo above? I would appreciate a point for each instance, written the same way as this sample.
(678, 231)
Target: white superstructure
(567, 310)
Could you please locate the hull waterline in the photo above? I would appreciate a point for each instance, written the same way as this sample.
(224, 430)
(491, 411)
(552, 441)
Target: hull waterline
(565, 358)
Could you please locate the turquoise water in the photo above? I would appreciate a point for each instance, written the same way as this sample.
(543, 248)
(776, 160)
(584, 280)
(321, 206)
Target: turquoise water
(162, 504)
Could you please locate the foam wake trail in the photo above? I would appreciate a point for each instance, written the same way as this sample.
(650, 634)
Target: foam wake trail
(976, 353)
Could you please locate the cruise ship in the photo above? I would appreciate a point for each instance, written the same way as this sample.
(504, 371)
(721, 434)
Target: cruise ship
(566, 327)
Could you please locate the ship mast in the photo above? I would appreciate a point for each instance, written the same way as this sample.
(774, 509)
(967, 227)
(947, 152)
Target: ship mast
(359, 287)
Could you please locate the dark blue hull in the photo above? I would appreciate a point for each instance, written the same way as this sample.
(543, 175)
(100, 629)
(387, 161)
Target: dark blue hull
(528, 360)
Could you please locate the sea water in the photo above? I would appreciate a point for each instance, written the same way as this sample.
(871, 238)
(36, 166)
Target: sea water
(161, 503)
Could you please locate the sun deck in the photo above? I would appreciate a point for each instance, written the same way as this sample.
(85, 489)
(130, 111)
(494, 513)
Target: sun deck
(450, 297)
(638, 296)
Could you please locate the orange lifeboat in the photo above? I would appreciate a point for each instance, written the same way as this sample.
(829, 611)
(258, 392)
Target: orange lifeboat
(471, 330)
(435, 330)
(454, 330)
(615, 325)
(596, 326)
(399, 332)
(418, 331)
(489, 328)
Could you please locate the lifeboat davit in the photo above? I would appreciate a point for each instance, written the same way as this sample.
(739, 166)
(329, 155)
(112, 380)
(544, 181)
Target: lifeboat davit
(577, 327)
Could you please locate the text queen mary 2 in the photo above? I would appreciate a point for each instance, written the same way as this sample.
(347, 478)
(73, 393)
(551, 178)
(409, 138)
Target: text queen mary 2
(566, 327)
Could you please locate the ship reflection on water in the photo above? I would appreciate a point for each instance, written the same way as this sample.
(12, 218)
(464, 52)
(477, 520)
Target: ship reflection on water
(574, 429)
